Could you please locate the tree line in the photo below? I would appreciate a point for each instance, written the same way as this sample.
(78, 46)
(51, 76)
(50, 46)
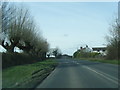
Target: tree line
(18, 29)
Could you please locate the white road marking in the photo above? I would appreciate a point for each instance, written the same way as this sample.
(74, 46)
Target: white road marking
(100, 73)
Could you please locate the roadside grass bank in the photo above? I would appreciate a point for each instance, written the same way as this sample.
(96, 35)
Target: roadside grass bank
(27, 76)
(117, 62)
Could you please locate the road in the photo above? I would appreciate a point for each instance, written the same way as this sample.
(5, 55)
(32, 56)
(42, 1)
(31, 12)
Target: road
(72, 73)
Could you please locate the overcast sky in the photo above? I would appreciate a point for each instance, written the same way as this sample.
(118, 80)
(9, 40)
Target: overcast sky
(69, 25)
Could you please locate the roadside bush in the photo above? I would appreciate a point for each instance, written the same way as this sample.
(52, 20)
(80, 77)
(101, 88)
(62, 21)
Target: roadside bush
(112, 52)
(13, 59)
(75, 55)
(85, 54)
(79, 54)
(94, 54)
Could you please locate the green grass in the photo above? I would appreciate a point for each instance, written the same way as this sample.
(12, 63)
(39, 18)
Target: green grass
(102, 60)
(27, 76)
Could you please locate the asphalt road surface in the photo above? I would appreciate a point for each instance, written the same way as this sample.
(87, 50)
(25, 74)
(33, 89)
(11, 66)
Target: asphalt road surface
(72, 73)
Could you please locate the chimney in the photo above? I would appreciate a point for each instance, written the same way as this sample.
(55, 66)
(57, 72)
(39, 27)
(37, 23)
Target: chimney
(81, 48)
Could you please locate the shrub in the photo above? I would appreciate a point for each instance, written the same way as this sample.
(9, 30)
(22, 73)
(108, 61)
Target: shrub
(94, 54)
(13, 59)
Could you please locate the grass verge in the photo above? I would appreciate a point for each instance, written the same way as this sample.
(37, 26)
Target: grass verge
(117, 62)
(27, 76)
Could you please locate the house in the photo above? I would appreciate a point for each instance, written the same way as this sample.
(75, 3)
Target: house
(2, 49)
(85, 49)
(102, 50)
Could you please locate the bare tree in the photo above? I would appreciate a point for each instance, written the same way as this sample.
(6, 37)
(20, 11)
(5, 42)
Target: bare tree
(7, 18)
(56, 52)
(20, 31)
(114, 41)
(16, 25)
